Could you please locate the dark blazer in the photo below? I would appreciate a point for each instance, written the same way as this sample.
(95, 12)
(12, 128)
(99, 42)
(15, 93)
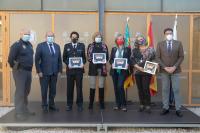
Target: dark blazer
(126, 54)
(45, 62)
(174, 58)
(69, 51)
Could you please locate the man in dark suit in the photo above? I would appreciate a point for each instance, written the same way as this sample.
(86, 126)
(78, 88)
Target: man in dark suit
(170, 55)
(74, 49)
(48, 64)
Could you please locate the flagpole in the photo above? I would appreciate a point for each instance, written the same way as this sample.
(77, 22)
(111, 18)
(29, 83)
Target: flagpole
(127, 20)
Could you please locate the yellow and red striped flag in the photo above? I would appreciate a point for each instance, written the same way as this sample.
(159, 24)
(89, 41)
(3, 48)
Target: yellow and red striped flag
(153, 84)
(129, 81)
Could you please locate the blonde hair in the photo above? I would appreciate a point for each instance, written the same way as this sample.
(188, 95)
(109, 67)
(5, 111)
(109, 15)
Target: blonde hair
(96, 34)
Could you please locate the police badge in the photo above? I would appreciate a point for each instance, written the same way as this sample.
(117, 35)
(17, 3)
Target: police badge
(24, 46)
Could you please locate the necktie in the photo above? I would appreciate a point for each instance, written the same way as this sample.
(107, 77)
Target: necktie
(74, 46)
(51, 49)
(169, 47)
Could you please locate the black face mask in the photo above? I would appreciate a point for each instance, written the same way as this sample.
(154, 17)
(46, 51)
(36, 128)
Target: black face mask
(74, 40)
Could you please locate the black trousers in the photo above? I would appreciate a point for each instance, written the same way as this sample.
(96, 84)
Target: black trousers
(143, 82)
(118, 82)
(71, 80)
(48, 82)
(23, 81)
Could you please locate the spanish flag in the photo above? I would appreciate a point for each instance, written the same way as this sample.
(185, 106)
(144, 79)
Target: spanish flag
(129, 81)
(153, 83)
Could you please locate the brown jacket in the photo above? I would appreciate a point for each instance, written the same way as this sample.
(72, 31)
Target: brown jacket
(174, 58)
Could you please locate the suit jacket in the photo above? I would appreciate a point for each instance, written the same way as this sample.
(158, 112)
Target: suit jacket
(174, 58)
(45, 62)
(126, 54)
(69, 51)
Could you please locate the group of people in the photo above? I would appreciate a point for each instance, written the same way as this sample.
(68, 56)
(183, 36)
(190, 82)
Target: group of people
(48, 61)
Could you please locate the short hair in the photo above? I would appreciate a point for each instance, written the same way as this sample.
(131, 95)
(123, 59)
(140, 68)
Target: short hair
(96, 34)
(74, 32)
(119, 35)
(167, 29)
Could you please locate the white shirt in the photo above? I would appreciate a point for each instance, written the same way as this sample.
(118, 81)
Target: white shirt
(117, 53)
(74, 44)
(52, 47)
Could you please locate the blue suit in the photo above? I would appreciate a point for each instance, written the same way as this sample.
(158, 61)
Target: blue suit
(49, 63)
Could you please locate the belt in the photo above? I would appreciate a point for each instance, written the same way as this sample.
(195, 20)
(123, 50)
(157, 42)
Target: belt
(25, 68)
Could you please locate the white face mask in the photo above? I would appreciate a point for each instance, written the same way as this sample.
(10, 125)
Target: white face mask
(50, 39)
(169, 37)
(97, 39)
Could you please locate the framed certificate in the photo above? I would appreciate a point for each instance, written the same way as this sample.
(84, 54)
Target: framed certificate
(150, 67)
(120, 63)
(99, 58)
(75, 62)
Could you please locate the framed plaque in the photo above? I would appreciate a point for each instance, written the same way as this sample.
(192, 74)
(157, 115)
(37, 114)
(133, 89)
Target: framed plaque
(150, 67)
(76, 62)
(120, 63)
(99, 58)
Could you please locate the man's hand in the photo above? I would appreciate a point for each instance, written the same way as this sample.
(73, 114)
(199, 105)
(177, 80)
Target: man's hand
(170, 69)
(167, 69)
(40, 74)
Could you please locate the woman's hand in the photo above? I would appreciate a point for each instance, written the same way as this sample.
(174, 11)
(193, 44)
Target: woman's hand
(139, 68)
(127, 66)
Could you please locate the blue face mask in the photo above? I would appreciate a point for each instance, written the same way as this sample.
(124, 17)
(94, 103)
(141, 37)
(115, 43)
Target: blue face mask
(26, 37)
(50, 39)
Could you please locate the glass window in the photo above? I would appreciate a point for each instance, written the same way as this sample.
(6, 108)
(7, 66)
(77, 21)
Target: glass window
(70, 5)
(181, 5)
(20, 5)
(1, 79)
(195, 88)
(196, 44)
(1, 41)
(133, 5)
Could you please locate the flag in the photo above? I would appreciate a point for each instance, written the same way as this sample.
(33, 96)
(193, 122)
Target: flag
(150, 35)
(127, 35)
(153, 84)
(129, 81)
(175, 28)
